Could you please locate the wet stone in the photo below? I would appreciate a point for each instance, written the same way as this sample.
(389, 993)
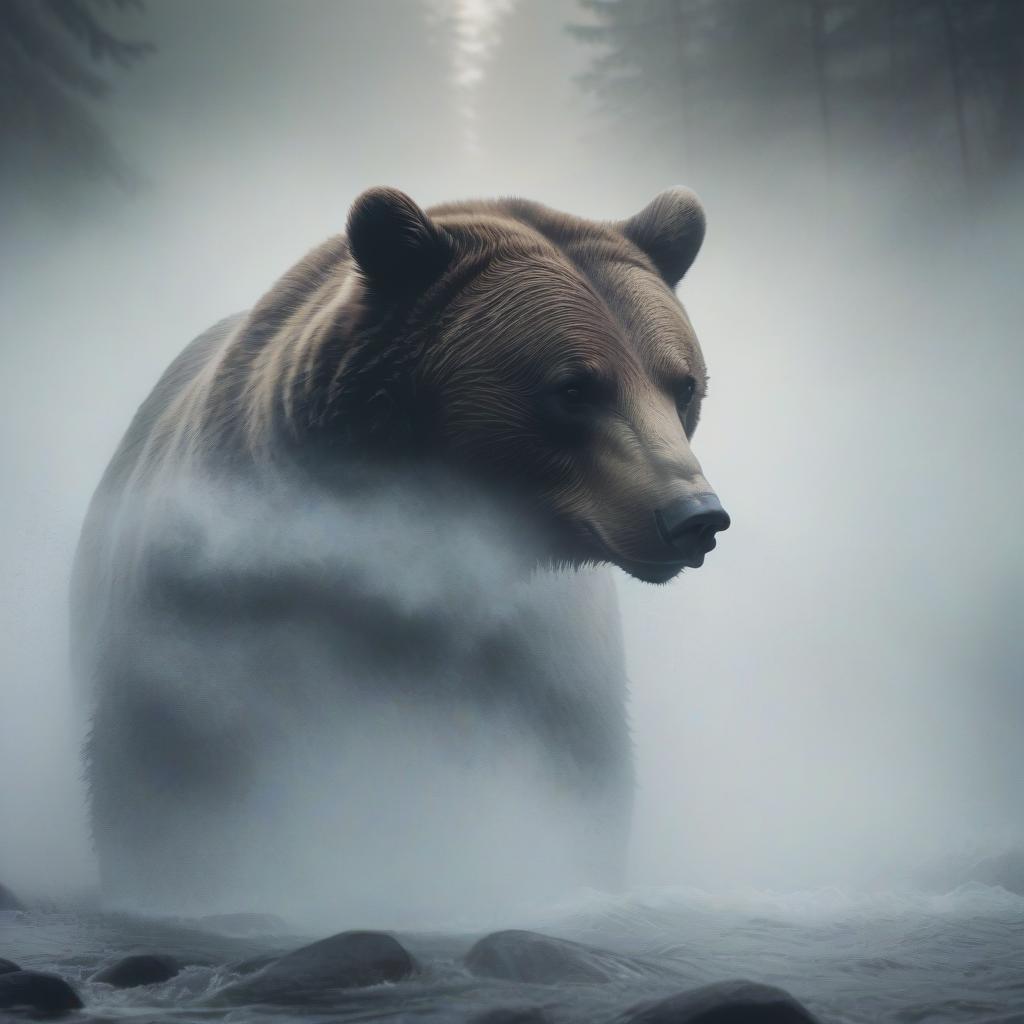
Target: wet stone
(37, 992)
(540, 959)
(517, 1015)
(348, 960)
(253, 963)
(1005, 870)
(8, 901)
(726, 1002)
(141, 969)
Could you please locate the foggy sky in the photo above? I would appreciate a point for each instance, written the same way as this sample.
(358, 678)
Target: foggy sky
(836, 695)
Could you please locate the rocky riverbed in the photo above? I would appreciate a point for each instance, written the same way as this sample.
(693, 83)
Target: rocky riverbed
(651, 957)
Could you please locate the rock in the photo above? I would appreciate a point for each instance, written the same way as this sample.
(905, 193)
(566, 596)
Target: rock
(242, 924)
(520, 1015)
(346, 960)
(1005, 870)
(8, 901)
(726, 1002)
(33, 990)
(141, 969)
(6, 966)
(543, 960)
(253, 963)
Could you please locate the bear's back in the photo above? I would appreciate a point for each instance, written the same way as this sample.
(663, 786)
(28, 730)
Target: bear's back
(96, 555)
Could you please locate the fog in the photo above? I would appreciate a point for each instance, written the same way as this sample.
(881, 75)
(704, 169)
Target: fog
(834, 699)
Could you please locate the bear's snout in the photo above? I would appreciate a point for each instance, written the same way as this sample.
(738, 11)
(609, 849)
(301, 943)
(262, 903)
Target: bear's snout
(690, 524)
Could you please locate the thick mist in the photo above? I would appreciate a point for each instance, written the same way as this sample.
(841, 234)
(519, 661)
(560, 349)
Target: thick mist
(364, 722)
(834, 699)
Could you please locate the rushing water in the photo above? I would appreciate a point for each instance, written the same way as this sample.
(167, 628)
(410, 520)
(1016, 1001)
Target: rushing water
(910, 957)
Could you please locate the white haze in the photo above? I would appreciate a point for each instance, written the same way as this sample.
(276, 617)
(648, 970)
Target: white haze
(834, 698)
(362, 767)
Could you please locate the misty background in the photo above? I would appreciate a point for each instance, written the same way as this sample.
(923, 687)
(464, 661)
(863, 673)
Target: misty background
(835, 698)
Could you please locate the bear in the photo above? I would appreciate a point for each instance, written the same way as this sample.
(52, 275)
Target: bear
(343, 601)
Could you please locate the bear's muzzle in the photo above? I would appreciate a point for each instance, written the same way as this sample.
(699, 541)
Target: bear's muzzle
(689, 525)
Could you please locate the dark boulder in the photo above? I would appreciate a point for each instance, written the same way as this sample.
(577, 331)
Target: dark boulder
(1004, 869)
(37, 992)
(141, 969)
(346, 960)
(253, 964)
(726, 1002)
(543, 960)
(6, 966)
(8, 901)
(518, 1015)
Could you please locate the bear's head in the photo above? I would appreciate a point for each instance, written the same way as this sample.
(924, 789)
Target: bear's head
(547, 355)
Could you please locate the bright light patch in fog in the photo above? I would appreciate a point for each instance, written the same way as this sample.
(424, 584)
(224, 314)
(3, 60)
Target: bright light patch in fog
(476, 34)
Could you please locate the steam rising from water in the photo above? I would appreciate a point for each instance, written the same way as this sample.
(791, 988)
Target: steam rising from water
(357, 707)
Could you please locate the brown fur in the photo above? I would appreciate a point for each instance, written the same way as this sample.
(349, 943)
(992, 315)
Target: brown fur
(453, 367)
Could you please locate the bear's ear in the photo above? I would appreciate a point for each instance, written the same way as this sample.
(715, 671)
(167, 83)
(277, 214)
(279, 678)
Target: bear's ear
(394, 243)
(669, 229)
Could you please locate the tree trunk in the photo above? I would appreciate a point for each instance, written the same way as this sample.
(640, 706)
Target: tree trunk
(817, 9)
(957, 90)
(679, 33)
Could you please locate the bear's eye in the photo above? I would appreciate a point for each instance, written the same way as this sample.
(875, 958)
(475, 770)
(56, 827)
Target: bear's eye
(684, 394)
(578, 393)
(573, 405)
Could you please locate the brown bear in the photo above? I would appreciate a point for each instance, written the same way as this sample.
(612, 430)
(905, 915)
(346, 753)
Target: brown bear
(341, 598)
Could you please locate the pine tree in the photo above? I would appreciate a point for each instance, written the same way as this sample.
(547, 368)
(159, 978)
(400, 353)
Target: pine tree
(937, 85)
(52, 57)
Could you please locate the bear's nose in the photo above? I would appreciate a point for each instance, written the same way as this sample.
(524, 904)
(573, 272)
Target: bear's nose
(690, 524)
